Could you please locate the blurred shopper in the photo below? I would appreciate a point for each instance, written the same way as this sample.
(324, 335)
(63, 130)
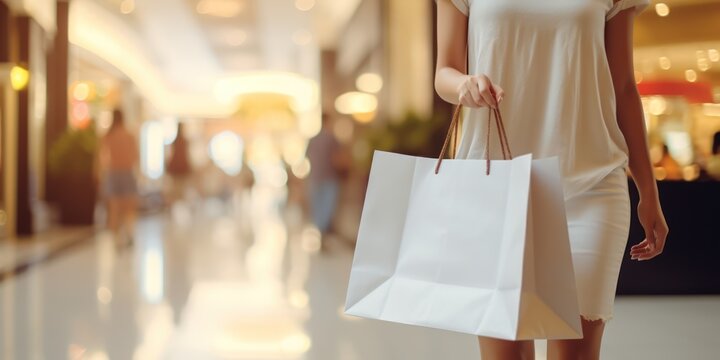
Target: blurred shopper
(670, 165)
(571, 94)
(327, 165)
(119, 159)
(179, 167)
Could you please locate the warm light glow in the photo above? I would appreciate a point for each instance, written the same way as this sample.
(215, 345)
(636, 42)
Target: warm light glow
(19, 78)
(304, 93)
(680, 146)
(296, 344)
(691, 172)
(664, 63)
(79, 115)
(226, 151)
(711, 109)
(152, 149)
(714, 55)
(220, 8)
(311, 239)
(304, 5)
(302, 169)
(356, 103)
(293, 150)
(153, 275)
(262, 151)
(364, 117)
(81, 91)
(299, 299)
(657, 105)
(369, 83)
(662, 9)
(703, 64)
(91, 27)
(660, 173)
(104, 295)
(690, 75)
(127, 6)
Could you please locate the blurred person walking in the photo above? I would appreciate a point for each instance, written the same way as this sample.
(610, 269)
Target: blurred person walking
(118, 160)
(567, 70)
(327, 165)
(179, 167)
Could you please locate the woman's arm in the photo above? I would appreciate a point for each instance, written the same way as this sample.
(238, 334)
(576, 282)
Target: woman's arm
(451, 80)
(618, 47)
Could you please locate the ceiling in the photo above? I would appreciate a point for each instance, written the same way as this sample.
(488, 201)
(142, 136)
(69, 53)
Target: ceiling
(182, 48)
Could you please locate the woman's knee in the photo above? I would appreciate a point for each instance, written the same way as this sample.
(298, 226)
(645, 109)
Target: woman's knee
(587, 348)
(504, 349)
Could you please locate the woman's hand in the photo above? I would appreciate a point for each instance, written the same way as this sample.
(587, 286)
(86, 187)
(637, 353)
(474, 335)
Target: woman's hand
(478, 91)
(656, 230)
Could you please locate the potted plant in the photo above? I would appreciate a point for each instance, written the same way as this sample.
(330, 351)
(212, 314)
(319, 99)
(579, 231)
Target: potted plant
(71, 163)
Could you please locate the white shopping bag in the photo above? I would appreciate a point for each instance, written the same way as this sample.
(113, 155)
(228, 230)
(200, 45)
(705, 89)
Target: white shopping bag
(466, 249)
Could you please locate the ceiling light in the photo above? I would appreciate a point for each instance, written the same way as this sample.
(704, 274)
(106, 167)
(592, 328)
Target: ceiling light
(356, 103)
(220, 8)
(714, 55)
(664, 63)
(690, 75)
(304, 5)
(127, 6)
(19, 78)
(703, 64)
(662, 9)
(369, 83)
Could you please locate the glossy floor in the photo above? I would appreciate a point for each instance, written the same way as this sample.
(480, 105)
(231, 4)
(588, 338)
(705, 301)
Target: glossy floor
(209, 285)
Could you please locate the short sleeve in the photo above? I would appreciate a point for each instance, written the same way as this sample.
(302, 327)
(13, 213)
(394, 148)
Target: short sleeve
(462, 5)
(621, 5)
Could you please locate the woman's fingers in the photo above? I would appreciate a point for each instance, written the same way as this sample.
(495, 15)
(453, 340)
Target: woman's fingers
(479, 91)
(650, 250)
(499, 93)
(485, 86)
(472, 85)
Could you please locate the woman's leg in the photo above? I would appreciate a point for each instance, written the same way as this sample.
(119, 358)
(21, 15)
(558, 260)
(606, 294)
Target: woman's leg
(587, 348)
(129, 214)
(496, 349)
(114, 215)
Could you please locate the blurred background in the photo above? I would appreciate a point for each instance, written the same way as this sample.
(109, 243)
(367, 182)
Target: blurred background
(183, 179)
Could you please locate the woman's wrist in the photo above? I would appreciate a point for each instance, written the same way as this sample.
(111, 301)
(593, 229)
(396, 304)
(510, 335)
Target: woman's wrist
(648, 192)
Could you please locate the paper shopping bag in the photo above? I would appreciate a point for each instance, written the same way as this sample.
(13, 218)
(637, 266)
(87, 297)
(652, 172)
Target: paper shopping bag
(466, 249)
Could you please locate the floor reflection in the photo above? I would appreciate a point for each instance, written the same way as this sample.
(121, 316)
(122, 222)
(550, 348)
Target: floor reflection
(242, 278)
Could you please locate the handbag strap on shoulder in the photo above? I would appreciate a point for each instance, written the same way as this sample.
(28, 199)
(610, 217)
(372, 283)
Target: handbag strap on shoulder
(502, 135)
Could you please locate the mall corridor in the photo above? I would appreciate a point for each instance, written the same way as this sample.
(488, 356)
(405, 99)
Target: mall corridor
(186, 179)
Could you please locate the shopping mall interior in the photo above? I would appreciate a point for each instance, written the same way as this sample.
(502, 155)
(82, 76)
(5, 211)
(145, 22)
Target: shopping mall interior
(245, 131)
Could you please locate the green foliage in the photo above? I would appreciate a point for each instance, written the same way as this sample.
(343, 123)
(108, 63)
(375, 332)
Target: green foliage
(74, 152)
(412, 135)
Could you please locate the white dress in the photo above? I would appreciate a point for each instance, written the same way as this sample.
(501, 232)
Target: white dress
(549, 58)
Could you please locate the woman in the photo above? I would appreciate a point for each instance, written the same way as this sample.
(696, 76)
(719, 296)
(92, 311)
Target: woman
(119, 158)
(565, 67)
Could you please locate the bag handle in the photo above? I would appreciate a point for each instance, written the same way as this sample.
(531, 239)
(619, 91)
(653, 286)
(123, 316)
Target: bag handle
(502, 135)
